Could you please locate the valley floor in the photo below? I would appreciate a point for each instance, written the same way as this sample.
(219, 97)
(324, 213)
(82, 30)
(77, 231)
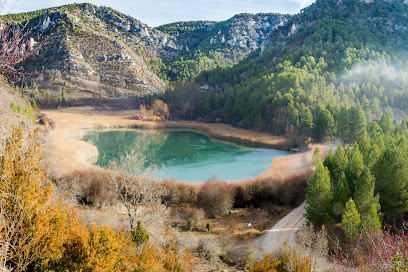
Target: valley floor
(72, 154)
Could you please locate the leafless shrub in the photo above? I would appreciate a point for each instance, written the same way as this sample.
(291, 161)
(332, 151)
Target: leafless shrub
(160, 108)
(314, 244)
(240, 255)
(374, 251)
(193, 217)
(276, 190)
(179, 193)
(90, 187)
(215, 197)
(210, 249)
(135, 186)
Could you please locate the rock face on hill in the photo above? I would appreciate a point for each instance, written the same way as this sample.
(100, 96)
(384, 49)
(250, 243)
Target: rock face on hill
(244, 31)
(96, 53)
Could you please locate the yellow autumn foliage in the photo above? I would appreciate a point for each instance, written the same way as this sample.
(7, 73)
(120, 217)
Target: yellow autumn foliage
(268, 264)
(41, 233)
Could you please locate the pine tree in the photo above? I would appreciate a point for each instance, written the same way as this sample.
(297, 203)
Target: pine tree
(350, 220)
(354, 168)
(306, 120)
(343, 124)
(357, 123)
(341, 196)
(341, 158)
(319, 196)
(323, 123)
(336, 163)
(367, 204)
(316, 156)
(139, 234)
(386, 123)
(348, 152)
(330, 163)
(364, 143)
(373, 156)
(392, 179)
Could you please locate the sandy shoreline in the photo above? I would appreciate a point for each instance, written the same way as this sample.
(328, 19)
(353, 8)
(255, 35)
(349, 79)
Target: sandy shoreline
(74, 155)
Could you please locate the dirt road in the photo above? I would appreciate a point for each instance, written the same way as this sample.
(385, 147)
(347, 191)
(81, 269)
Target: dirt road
(284, 230)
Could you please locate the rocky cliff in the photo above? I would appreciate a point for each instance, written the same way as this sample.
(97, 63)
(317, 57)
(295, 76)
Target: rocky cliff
(97, 53)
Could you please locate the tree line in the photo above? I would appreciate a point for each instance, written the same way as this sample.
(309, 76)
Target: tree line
(365, 185)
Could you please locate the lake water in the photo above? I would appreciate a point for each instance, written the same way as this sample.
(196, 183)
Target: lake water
(182, 155)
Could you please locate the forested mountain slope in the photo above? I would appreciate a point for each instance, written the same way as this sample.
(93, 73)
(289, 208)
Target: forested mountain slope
(324, 68)
(216, 44)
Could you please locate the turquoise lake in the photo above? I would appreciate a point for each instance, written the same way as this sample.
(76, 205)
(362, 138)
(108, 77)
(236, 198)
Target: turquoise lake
(182, 155)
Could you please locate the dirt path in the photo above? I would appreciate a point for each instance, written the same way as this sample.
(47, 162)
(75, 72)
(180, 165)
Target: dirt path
(284, 230)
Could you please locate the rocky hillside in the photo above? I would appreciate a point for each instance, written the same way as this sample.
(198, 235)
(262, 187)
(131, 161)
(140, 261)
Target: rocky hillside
(208, 45)
(96, 53)
(244, 31)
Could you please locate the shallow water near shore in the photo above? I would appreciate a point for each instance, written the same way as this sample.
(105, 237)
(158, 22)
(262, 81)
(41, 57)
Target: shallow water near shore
(182, 155)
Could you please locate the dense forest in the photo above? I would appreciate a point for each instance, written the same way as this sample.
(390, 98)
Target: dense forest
(344, 60)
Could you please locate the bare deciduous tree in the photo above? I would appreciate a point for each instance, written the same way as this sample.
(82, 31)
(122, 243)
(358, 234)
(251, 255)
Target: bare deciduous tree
(135, 185)
(16, 45)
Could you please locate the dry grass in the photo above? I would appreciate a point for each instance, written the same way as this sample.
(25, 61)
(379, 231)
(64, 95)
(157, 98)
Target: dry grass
(236, 223)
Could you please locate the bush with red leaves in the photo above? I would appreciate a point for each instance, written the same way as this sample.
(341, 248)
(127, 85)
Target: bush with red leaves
(375, 251)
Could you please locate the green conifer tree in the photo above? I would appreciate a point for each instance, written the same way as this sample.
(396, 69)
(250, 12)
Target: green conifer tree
(139, 234)
(319, 196)
(354, 168)
(340, 197)
(367, 204)
(350, 220)
(357, 123)
(391, 172)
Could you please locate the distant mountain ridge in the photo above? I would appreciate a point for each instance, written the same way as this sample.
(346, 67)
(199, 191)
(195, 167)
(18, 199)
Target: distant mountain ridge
(97, 53)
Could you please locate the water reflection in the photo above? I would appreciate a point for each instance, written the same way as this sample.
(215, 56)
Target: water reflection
(182, 155)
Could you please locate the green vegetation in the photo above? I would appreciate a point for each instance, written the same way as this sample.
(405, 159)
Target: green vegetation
(27, 111)
(190, 66)
(325, 80)
(194, 29)
(319, 196)
(139, 234)
(375, 177)
(22, 18)
(350, 220)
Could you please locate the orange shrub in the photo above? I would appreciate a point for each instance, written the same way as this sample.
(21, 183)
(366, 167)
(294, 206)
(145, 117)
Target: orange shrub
(268, 264)
(160, 108)
(40, 233)
(168, 258)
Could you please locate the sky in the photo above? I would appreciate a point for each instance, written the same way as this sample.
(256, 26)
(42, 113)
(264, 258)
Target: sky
(159, 12)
